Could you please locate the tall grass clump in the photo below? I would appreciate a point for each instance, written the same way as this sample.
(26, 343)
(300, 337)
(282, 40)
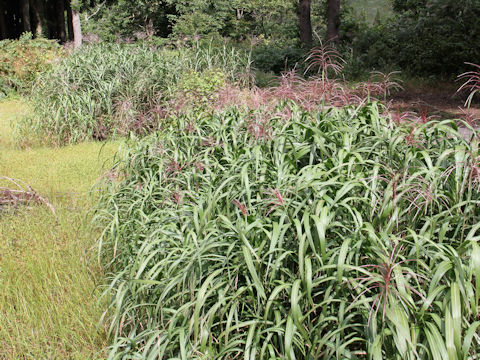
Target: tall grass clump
(108, 89)
(333, 234)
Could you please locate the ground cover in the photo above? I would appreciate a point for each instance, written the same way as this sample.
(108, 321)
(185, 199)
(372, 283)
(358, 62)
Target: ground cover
(438, 99)
(48, 302)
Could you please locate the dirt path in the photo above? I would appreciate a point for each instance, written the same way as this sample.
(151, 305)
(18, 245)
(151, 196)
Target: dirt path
(440, 100)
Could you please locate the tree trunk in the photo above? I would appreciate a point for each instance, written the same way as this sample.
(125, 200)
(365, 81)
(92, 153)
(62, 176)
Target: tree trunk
(77, 29)
(12, 12)
(333, 20)
(3, 24)
(305, 22)
(25, 4)
(69, 20)
(60, 11)
(239, 14)
(38, 16)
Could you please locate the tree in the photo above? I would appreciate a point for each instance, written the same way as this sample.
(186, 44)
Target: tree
(25, 4)
(333, 20)
(3, 24)
(60, 12)
(68, 7)
(38, 10)
(304, 14)
(76, 24)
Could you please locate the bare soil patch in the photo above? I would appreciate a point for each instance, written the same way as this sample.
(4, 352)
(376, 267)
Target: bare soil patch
(441, 99)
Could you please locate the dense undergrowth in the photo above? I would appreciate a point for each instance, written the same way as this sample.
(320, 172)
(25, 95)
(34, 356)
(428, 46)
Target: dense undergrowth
(109, 90)
(423, 38)
(310, 235)
(22, 60)
(105, 90)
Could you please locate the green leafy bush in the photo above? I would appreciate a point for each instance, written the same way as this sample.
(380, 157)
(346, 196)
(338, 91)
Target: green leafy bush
(437, 37)
(128, 19)
(334, 234)
(108, 89)
(22, 60)
(236, 19)
(276, 58)
(202, 87)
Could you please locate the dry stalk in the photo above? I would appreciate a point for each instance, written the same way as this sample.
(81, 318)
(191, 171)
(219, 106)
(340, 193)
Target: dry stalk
(22, 194)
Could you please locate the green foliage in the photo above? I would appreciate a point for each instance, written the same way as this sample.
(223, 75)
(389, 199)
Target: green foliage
(106, 89)
(408, 5)
(372, 10)
(22, 60)
(235, 19)
(200, 17)
(334, 234)
(129, 19)
(77, 5)
(436, 38)
(203, 86)
(276, 57)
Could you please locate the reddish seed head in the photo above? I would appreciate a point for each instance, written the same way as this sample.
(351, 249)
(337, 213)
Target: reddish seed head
(199, 166)
(190, 127)
(174, 168)
(469, 116)
(276, 201)
(177, 197)
(241, 206)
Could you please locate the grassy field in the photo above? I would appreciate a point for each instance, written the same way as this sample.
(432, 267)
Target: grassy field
(48, 303)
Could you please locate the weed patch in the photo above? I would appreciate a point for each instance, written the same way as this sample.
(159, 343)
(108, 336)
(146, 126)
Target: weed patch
(22, 60)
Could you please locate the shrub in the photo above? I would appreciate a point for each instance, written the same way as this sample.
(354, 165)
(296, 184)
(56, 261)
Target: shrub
(276, 58)
(437, 38)
(22, 60)
(334, 234)
(202, 87)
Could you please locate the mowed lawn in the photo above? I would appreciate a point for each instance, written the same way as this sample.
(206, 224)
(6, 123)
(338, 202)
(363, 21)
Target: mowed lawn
(48, 275)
